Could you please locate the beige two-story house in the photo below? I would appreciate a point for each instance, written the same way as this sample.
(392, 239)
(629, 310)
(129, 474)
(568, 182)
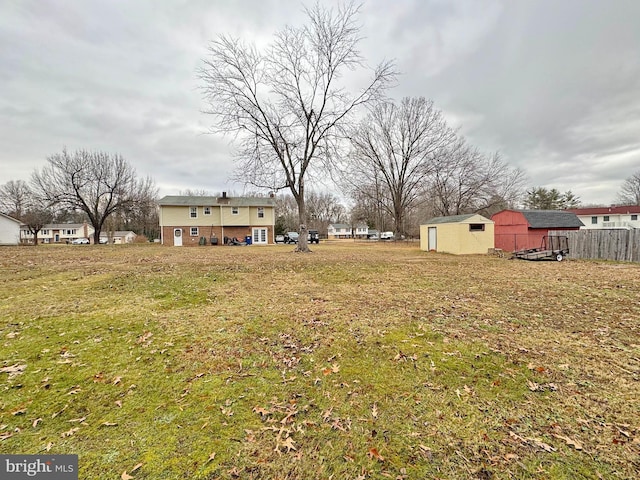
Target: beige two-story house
(190, 221)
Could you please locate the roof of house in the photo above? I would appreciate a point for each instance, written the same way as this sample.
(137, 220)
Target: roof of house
(340, 226)
(64, 226)
(613, 210)
(10, 218)
(118, 233)
(551, 219)
(191, 201)
(459, 219)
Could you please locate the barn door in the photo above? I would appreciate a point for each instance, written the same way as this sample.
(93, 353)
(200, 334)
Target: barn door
(433, 244)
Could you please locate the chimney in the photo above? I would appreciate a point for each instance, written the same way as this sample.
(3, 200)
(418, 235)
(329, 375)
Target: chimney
(224, 194)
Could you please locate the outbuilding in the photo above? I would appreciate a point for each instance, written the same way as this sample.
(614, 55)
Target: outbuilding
(9, 230)
(524, 229)
(457, 234)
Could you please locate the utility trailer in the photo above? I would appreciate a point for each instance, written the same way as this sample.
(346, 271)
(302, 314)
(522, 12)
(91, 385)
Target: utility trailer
(552, 248)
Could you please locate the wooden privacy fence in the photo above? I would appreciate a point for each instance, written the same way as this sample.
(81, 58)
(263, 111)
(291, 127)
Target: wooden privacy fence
(622, 245)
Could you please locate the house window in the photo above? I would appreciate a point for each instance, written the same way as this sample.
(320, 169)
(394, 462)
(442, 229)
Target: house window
(260, 212)
(594, 220)
(207, 210)
(194, 231)
(193, 212)
(69, 232)
(606, 218)
(476, 227)
(234, 211)
(46, 232)
(634, 217)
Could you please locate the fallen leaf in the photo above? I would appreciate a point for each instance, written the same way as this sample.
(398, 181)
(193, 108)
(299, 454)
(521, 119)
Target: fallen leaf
(109, 424)
(19, 411)
(119, 403)
(572, 443)
(136, 467)
(212, 455)
(13, 370)
(125, 476)
(373, 453)
(261, 411)
(374, 411)
(49, 445)
(335, 368)
(289, 444)
(36, 422)
(70, 432)
(117, 380)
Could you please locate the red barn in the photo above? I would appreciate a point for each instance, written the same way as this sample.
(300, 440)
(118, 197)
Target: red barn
(520, 229)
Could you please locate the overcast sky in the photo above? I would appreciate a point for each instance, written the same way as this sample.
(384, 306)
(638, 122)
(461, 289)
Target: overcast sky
(554, 85)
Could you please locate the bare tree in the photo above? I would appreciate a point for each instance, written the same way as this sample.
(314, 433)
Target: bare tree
(630, 191)
(395, 149)
(288, 105)
(95, 183)
(14, 197)
(468, 181)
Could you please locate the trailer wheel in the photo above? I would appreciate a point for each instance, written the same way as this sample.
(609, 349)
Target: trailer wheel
(559, 257)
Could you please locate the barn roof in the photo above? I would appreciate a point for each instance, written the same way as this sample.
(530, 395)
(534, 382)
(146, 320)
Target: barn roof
(551, 219)
(458, 219)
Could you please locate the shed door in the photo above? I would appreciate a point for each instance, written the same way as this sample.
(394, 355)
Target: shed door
(433, 244)
(177, 237)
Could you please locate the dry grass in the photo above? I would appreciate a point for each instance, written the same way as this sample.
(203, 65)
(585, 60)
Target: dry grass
(357, 361)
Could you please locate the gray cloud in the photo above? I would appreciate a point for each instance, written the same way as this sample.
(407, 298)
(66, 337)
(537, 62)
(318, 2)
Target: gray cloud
(554, 86)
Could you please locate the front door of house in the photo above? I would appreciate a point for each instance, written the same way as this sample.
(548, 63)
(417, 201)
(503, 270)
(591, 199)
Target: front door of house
(433, 239)
(177, 237)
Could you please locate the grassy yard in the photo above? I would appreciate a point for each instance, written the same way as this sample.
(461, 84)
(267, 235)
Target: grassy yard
(354, 362)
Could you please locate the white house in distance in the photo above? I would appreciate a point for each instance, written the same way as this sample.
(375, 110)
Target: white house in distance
(58, 233)
(9, 230)
(118, 237)
(609, 217)
(345, 231)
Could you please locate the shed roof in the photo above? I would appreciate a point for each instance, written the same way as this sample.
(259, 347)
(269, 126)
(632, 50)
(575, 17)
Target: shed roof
(459, 219)
(192, 201)
(551, 219)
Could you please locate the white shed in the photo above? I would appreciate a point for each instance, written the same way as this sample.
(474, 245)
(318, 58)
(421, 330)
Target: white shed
(9, 230)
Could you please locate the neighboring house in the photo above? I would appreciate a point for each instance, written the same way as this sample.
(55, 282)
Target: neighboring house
(361, 231)
(338, 230)
(9, 230)
(609, 217)
(58, 233)
(117, 237)
(520, 229)
(458, 234)
(186, 220)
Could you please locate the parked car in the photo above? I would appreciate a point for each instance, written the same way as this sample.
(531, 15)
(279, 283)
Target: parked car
(386, 236)
(280, 238)
(291, 237)
(313, 237)
(80, 241)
